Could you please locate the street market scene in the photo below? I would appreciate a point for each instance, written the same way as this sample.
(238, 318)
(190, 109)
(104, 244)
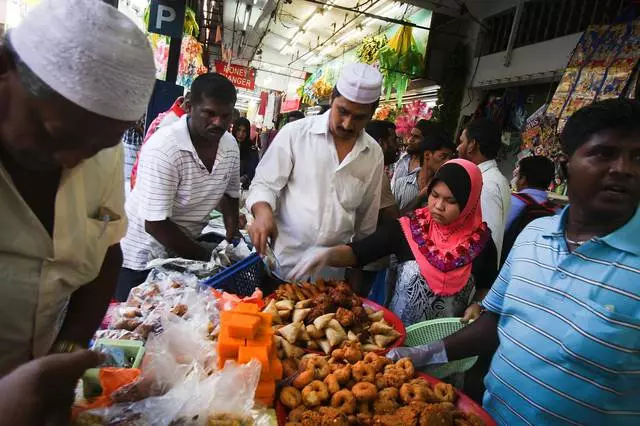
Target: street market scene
(319, 212)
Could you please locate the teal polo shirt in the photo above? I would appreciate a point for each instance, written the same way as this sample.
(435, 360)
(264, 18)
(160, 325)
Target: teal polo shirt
(569, 329)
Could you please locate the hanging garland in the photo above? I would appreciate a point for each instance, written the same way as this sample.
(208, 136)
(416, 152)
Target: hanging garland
(367, 52)
(410, 115)
(400, 60)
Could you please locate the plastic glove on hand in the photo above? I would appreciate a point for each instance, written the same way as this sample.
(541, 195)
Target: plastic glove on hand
(311, 262)
(421, 356)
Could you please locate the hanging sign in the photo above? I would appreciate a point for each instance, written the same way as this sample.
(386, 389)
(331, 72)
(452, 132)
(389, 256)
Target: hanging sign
(166, 17)
(241, 77)
(290, 104)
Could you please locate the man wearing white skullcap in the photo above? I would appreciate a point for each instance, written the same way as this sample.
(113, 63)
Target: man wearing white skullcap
(319, 183)
(74, 75)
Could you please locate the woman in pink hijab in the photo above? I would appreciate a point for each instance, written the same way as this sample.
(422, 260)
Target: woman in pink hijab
(446, 257)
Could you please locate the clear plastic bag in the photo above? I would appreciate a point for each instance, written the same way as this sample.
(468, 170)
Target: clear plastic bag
(196, 401)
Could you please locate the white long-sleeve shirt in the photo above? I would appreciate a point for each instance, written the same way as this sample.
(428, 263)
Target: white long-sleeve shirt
(318, 201)
(495, 200)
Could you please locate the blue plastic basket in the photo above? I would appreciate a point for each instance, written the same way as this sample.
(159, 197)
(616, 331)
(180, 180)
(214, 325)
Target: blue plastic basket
(241, 278)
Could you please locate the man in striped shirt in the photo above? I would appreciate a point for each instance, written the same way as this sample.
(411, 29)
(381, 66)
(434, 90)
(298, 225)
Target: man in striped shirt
(564, 313)
(187, 169)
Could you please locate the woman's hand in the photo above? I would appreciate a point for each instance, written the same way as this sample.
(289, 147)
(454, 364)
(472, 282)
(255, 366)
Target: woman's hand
(472, 313)
(311, 262)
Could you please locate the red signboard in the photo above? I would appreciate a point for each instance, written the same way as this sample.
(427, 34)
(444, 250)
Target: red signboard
(290, 104)
(241, 77)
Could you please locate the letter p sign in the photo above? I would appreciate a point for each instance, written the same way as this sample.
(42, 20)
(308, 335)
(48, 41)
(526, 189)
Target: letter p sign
(166, 17)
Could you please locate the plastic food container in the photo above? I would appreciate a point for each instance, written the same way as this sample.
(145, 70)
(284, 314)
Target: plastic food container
(133, 350)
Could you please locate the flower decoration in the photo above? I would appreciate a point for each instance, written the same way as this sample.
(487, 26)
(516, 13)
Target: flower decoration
(410, 115)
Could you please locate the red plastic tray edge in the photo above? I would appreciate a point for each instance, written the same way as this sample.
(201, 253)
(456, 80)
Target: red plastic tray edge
(464, 404)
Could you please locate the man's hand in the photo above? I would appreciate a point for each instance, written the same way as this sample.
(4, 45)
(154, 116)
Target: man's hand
(263, 227)
(472, 313)
(42, 391)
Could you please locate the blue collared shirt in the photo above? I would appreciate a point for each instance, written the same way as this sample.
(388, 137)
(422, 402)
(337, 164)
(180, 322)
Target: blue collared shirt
(569, 329)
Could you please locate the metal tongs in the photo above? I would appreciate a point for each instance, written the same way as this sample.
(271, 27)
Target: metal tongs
(271, 263)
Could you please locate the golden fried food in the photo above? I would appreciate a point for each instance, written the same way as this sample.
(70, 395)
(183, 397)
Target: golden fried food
(332, 383)
(319, 366)
(386, 401)
(410, 393)
(332, 417)
(364, 407)
(315, 393)
(295, 415)
(344, 401)
(365, 391)
(392, 377)
(352, 352)
(364, 372)
(290, 397)
(289, 367)
(343, 374)
(378, 362)
(445, 392)
(345, 317)
(407, 366)
(436, 418)
(407, 416)
(310, 418)
(365, 419)
(303, 379)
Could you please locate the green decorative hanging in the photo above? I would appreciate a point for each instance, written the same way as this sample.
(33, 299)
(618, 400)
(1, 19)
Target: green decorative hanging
(400, 61)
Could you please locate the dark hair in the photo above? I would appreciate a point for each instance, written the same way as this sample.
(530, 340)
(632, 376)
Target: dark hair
(434, 137)
(379, 129)
(242, 122)
(487, 134)
(336, 94)
(213, 86)
(539, 171)
(611, 114)
(295, 114)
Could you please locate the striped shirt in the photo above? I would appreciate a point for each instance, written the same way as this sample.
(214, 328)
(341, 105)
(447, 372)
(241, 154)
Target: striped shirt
(569, 329)
(406, 189)
(173, 183)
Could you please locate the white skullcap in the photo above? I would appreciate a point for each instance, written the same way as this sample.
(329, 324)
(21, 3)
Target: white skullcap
(89, 53)
(360, 83)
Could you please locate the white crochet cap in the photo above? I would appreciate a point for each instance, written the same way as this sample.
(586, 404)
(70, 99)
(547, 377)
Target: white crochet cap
(90, 53)
(360, 83)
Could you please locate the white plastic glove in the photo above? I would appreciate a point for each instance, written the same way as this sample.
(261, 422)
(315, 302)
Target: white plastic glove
(429, 354)
(311, 262)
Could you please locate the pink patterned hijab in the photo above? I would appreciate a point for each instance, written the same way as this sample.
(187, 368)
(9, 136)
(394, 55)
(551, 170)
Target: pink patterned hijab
(445, 253)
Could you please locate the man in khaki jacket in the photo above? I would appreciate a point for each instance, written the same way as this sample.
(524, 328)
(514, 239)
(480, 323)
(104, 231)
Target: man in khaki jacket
(65, 100)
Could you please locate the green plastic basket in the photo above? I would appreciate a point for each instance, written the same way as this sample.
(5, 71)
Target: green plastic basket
(432, 331)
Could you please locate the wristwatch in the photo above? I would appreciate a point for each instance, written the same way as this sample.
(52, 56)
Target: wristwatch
(66, 346)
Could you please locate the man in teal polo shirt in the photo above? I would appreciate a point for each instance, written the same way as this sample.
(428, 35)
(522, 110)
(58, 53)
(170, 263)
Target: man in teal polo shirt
(564, 313)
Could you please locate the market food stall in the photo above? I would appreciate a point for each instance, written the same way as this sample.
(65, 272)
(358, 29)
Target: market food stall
(243, 347)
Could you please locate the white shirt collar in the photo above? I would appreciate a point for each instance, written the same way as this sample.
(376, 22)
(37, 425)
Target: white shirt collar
(489, 164)
(321, 127)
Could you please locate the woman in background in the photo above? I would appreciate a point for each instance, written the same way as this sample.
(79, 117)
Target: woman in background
(446, 257)
(249, 156)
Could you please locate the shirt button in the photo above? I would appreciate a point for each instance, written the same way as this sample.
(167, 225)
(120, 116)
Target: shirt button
(563, 276)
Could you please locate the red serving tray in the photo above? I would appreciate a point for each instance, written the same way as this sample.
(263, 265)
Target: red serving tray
(390, 317)
(464, 404)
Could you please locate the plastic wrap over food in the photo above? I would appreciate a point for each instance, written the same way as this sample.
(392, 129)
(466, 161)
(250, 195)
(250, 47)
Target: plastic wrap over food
(224, 397)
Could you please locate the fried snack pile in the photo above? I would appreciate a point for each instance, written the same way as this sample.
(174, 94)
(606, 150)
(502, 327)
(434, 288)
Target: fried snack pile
(358, 388)
(321, 317)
